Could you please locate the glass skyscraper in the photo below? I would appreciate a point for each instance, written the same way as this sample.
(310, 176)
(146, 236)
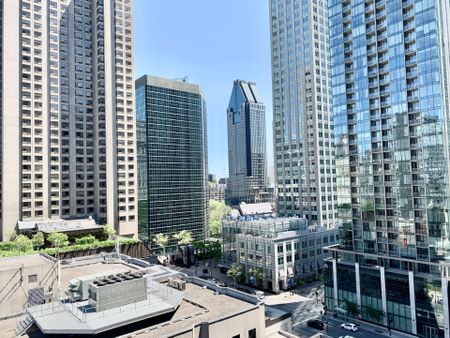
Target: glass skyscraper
(302, 113)
(246, 123)
(390, 77)
(172, 158)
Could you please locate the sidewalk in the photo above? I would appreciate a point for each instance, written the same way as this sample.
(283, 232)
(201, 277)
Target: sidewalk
(370, 327)
(285, 298)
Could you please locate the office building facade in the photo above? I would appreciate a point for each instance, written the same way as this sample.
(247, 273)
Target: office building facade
(247, 181)
(67, 107)
(390, 66)
(285, 250)
(216, 191)
(302, 113)
(172, 158)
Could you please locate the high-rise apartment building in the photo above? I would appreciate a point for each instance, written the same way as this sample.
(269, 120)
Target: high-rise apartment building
(172, 158)
(67, 112)
(246, 113)
(390, 63)
(302, 113)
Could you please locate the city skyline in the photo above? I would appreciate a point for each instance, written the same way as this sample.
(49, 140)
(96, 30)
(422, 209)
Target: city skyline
(329, 163)
(219, 54)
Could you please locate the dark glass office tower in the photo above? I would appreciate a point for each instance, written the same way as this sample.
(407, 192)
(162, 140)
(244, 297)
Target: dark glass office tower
(246, 114)
(172, 158)
(390, 78)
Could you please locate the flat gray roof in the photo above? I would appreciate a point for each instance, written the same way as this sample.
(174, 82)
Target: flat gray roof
(27, 260)
(78, 318)
(255, 208)
(206, 306)
(179, 85)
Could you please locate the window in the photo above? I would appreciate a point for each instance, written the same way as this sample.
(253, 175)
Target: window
(32, 278)
(252, 333)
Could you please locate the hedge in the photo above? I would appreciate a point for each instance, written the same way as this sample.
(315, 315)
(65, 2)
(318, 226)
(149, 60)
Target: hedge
(70, 248)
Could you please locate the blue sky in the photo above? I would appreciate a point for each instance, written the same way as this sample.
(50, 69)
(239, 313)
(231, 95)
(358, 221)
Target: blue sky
(213, 43)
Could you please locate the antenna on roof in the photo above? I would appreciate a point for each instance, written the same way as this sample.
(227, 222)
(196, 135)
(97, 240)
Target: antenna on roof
(183, 79)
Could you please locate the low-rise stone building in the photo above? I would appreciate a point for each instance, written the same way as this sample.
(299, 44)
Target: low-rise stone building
(283, 250)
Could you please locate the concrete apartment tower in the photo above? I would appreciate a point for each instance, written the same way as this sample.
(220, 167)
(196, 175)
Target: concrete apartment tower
(67, 113)
(302, 111)
(172, 159)
(246, 114)
(391, 75)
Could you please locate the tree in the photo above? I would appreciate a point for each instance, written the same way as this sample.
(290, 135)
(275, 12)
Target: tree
(161, 240)
(375, 314)
(23, 243)
(38, 240)
(200, 249)
(258, 274)
(217, 211)
(89, 239)
(58, 239)
(351, 307)
(183, 237)
(236, 271)
(109, 231)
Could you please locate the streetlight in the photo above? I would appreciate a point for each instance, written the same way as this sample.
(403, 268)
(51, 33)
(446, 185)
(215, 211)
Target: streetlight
(325, 308)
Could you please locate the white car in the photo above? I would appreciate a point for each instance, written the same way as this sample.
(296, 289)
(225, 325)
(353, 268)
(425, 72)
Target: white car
(346, 337)
(349, 327)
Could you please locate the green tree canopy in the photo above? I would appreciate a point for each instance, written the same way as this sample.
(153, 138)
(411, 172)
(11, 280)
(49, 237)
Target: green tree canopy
(258, 274)
(351, 307)
(109, 231)
(375, 314)
(161, 240)
(88, 239)
(58, 239)
(38, 240)
(183, 237)
(217, 211)
(23, 243)
(236, 271)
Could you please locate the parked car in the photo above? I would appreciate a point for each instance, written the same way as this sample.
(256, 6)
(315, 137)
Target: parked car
(346, 336)
(315, 323)
(349, 327)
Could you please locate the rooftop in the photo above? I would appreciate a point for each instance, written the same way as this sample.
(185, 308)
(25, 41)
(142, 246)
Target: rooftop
(291, 233)
(255, 209)
(64, 317)
(174, 84)
(59, 225)
(18, 261)
(166, 310)
(199, 305)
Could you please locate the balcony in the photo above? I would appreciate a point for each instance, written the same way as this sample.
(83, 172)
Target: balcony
(407, 3)
(410, 38)
(411, 74)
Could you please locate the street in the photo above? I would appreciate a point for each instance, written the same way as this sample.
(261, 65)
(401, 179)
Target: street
(304, 303)
(334, 330)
